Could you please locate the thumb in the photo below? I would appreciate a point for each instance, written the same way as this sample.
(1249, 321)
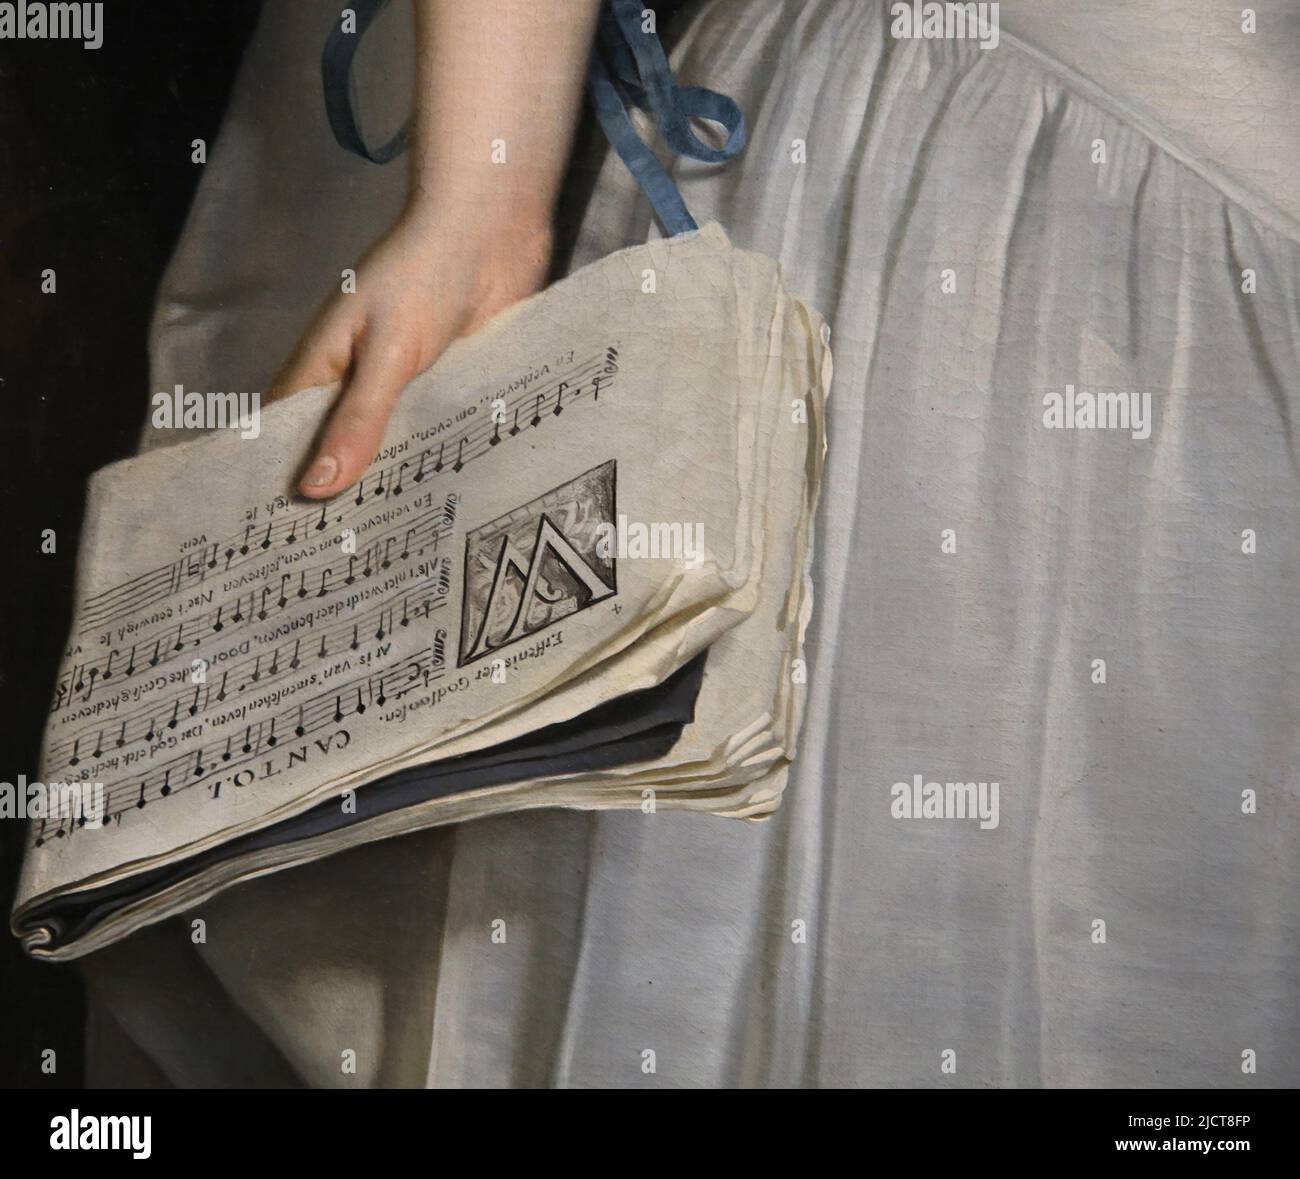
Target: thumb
(382, 366)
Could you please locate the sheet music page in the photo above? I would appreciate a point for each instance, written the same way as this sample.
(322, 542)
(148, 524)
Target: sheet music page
(236, 653)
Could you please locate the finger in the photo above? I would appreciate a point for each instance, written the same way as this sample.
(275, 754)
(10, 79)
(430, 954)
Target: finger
(321, 358)
(383, 366)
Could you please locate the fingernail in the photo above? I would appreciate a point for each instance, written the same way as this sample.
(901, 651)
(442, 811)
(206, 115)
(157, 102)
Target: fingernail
(322, 472)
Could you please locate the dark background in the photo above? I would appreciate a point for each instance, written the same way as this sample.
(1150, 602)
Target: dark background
(95, 180)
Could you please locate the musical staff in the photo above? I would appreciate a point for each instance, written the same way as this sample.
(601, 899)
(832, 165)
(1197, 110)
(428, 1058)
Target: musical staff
(245, 645)
(323, 710)
(587, 378)
(400, 544)
(285, 659)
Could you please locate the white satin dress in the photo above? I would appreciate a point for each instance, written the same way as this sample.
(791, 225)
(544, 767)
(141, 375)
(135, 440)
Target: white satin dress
(1132, 919)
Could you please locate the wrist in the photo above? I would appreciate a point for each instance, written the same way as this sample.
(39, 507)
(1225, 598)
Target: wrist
(486, 204)
(478, 222)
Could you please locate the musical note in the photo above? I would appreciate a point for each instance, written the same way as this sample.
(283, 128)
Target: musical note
(474, 441)
(134, 714)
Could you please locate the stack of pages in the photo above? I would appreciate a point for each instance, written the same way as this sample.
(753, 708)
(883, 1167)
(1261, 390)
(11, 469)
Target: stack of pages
(575, 575)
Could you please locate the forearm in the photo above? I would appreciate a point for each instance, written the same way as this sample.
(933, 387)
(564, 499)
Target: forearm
(497, 98)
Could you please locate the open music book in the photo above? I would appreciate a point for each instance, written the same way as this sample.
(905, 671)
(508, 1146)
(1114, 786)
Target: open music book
(575, 575)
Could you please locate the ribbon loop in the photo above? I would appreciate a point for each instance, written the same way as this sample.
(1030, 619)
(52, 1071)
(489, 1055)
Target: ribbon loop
(340, 87)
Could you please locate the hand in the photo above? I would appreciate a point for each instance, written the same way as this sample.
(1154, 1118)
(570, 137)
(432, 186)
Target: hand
(438, 274)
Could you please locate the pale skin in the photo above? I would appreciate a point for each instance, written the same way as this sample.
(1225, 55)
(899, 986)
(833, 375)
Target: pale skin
(475, 235)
